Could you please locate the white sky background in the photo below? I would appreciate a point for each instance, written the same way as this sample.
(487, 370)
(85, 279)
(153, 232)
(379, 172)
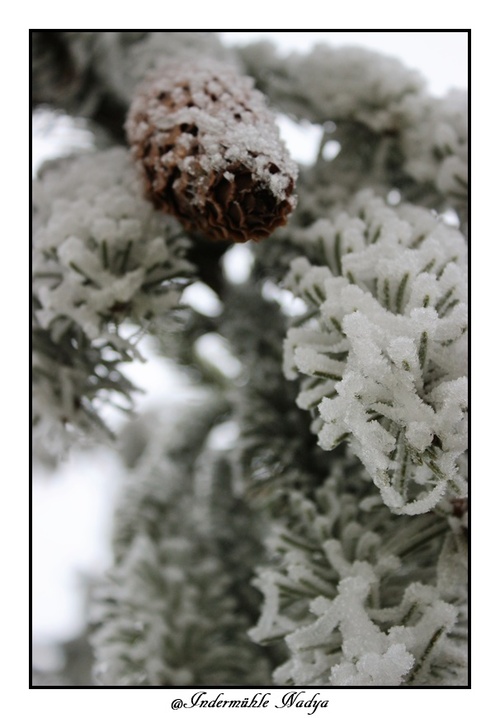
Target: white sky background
(72, 510)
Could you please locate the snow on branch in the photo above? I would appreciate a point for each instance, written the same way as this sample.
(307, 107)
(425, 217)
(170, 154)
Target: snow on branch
(354, 593)
(361, 91)
(101, 257)
(168, 612)
(384, 347)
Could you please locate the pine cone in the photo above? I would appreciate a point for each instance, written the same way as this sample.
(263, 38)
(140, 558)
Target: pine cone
(210, 152)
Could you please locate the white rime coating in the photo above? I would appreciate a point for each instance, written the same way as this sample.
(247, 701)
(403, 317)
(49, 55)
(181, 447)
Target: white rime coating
(100, 251)
(350, 610)
(101, 256)
(385, 355)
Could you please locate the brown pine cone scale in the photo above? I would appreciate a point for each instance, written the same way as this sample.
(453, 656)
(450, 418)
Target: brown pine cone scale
(210, 152)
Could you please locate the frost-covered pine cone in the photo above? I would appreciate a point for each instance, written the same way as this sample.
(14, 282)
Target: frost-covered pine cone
(210, 153)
